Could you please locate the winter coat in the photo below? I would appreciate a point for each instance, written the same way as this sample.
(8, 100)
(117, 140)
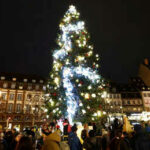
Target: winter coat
(74, 142)
(92, 143)
(52, 141)
(118, 144)
(141, 141)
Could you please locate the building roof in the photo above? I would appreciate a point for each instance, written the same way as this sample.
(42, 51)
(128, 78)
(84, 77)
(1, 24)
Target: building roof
(21, 77)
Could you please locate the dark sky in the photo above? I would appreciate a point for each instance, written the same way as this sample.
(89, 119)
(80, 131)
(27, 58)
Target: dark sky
(120, 32)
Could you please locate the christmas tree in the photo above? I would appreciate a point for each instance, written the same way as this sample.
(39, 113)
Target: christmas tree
(75, 88)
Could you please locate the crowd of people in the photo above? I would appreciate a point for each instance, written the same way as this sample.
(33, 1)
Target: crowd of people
(91, 138)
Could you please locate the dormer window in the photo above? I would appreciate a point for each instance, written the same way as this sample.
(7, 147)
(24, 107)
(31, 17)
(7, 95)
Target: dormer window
(33, 81)
(20, 87)
(2, 78)
(41, 81)
(13, 79)
(25, 80)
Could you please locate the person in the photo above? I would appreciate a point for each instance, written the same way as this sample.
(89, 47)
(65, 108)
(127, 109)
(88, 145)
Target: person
(8, 137)
(52, 141)
(25, 143)
(118, 142)
(140, 140)
(91, 142)
(84, 134)
(105, 140)
(73, 140)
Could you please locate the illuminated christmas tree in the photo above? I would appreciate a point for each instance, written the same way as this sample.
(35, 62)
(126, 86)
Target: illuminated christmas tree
(75, 88)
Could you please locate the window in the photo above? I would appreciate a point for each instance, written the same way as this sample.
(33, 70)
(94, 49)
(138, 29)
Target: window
(29, 96)
(29, 86)
(37, 87)
(2, 78)
(145, 95)
(44, 88)
(13, 79)
(28, 108)
(25, 80)
(5, 85)
(10, 107)
(133, 102)
(19, 97)
(33, 81)
(11, 96)
(110, 96)
(18, 108)
(3, 107)
(41, 81)
(13, 85)
(118, 96)
(128, 102)
(20, 87)
(148, 94)
(134, 109)
(114, 95)
(139, 102)
(36, 97)
(36, 109)
(4, 96)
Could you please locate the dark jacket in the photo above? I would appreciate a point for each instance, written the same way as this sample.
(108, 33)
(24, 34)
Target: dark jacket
(92, 143)
(118, 144)
(74, 142)
(141, 141)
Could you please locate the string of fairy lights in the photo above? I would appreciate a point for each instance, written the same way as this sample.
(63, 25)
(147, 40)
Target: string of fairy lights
(63, 63)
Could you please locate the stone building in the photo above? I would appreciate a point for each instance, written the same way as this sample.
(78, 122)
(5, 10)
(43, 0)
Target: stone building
(21, 100)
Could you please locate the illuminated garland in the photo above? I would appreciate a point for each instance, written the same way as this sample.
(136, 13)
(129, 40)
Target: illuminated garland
(63, 64)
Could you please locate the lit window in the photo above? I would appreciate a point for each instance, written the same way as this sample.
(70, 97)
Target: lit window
(36, 97)
(134, 109)
(29, 96)
(28, 108)
(10, 107)
(13, 85)
(5, 85)
(33, 81)
(44, 88)
(19, 96)
(14, 79)
(2, 78)
(4, 96)
(11, 96)
(37, 87)
(25, 80)
(18, 108)
(20, 87)
(41, 81)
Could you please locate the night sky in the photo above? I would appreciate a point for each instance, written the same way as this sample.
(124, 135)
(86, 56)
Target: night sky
(120, 32)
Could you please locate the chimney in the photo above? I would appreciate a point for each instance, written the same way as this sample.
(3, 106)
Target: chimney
(146, 62)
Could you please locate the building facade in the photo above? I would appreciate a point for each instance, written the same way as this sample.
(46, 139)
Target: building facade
(144, 72)
(21, 101)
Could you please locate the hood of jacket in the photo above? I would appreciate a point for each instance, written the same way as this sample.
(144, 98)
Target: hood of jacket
(55, 136)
